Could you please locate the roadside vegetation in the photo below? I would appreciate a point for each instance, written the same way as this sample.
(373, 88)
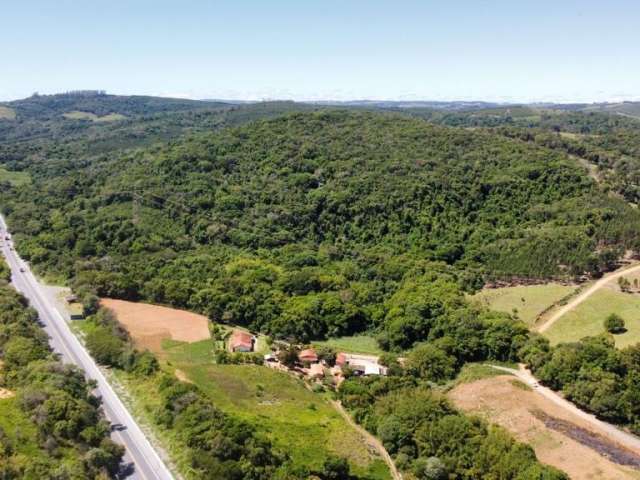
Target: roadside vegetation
(51, 425)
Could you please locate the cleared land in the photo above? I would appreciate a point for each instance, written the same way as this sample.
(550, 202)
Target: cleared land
(523, 412)
(604, 282)
(149, 324)
(14, 178)
(529, 301)
(297, 420)
(7, 113)
(78, 115)
(587, 318)
(355, 344)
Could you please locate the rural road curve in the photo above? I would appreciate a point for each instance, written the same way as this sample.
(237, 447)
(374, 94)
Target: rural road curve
(586, 294)
(605, 429)
(373, 441)
(147, 465)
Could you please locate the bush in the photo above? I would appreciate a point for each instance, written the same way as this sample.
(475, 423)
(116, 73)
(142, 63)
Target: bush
(105, 347)
(614, 324)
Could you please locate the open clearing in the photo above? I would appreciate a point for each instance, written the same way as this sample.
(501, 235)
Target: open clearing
(521, 411)
(587, 318)
(7, 113)
(297, 420)
(14, 178)
(355, 344)
(78, 115)
(149, 324)
(528, 300)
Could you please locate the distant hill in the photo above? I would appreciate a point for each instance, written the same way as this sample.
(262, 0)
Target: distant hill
(46, 107)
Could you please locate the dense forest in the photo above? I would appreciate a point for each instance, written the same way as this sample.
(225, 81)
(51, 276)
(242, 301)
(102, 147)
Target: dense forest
(308, 224)
(51, 426)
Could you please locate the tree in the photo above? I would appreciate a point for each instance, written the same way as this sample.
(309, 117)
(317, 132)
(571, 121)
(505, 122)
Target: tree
(431, 468)
(288, 356)
(431, 363)
(335, 468)
(614, 324)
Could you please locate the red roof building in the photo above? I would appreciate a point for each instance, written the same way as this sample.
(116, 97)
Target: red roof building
(241, 341)
(341, 359)
(308, 355)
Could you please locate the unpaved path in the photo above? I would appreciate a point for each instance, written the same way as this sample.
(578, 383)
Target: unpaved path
(373, 441)
(605, 429)
(586, 294)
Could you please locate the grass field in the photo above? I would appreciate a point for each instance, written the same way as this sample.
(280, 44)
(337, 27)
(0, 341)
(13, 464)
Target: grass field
(14, 178)
(77, 115)
(527, 301)
(7, 113)
(297, 420)
(588, 317)
(355, 344)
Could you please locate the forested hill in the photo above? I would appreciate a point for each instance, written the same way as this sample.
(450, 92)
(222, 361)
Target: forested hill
(317, 203)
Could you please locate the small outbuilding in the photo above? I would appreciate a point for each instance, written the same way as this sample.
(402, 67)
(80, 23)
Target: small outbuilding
(341, 359)
(241, 341)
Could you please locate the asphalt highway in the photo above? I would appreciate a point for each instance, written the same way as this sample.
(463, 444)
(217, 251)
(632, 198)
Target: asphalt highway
(141, 458)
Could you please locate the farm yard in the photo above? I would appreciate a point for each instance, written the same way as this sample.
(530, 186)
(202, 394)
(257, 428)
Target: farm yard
(280, 404)
(506, 401)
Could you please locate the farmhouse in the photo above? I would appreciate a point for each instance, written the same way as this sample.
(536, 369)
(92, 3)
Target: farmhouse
(308, 356)
(241, 341)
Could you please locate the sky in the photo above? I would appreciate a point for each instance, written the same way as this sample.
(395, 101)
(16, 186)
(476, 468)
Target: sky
(511, 51)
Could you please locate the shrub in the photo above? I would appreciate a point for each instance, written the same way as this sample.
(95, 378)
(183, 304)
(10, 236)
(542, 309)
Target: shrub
(614, 324)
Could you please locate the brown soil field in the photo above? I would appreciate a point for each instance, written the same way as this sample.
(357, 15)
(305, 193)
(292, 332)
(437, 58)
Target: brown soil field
(149, 324)
(574, 448)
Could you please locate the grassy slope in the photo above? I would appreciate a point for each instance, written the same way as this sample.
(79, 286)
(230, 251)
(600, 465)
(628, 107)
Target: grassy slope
(529, 301)
(15, 178)
(297, 421)
(7, 113)
(77, 115)
(588, 317)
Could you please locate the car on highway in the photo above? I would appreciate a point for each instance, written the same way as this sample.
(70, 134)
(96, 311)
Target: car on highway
(22, 269)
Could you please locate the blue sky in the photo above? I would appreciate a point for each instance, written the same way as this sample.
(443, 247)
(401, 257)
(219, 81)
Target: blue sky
(516, 50)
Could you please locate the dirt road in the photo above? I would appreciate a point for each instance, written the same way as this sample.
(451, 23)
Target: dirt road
(605, 429)
(586, 294)
(373, 441)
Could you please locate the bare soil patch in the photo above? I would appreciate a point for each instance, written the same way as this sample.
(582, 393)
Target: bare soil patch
(149, 324)
(4, 393)
(558, 437)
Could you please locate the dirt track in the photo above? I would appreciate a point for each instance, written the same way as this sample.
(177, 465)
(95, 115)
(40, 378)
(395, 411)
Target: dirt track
(606, 429)
(503, 400)
(371, 440)
(586, 294)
